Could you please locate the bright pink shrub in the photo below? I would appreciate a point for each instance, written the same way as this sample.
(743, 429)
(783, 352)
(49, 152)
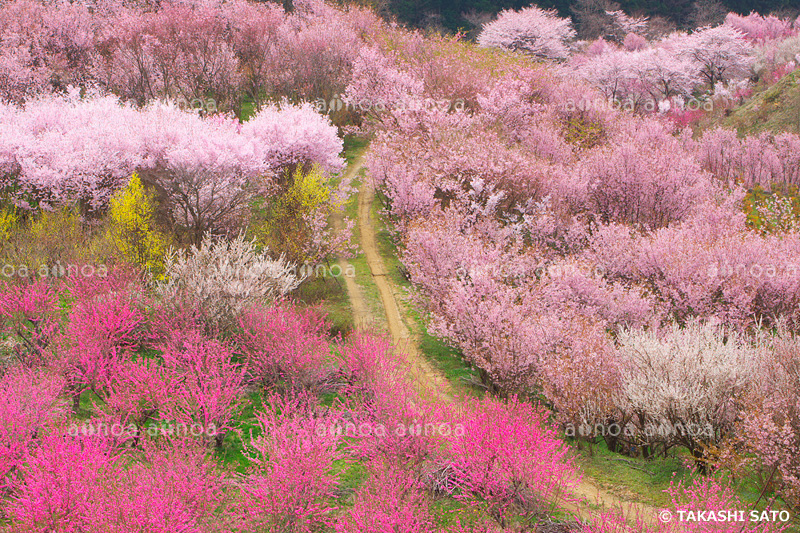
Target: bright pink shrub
(708, 494)
(58, 482)
(203, 385)
(28, 405)
(87, 484)
(284, 343)
(509, 458)
(292, 479)
(389, 500)
(173, 486)
(103, 330)
(30, 312)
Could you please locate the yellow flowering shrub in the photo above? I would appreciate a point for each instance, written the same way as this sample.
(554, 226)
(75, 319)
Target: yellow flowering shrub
(133, 229)
(8, 223)
(289, 222)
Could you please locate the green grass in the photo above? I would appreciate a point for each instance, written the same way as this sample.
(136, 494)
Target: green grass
(774, 109)
(646, 480)
(330, 293)
(630, 478)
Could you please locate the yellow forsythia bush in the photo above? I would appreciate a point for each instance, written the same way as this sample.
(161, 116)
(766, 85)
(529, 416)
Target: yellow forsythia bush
(133, 229)
(8, 222)
(287, 224)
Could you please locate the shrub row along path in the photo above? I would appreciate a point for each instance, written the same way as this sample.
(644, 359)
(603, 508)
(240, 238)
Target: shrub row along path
(588, 495)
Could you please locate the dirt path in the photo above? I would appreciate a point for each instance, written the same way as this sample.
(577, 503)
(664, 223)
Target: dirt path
(401, 327)
(587, 496)
(362, 317)
(398, 322)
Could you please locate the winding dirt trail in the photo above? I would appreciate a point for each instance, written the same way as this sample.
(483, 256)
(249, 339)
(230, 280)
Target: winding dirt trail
(587, 496)
(400, 325)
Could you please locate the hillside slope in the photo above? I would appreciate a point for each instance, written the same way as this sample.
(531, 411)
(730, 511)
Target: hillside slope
(776, 109)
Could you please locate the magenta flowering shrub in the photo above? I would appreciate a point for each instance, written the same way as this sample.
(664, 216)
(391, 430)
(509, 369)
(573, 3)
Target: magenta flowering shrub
(104, 328)
(284, 343)
(203, 384)
(59, 481)
(389, 500)
(292, 477)
(78, 484)
(30, 313)
(509, 458)
(29, 404)
(708, 494)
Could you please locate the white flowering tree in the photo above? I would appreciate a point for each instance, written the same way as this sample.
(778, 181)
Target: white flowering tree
(686, 381)
(541, 33)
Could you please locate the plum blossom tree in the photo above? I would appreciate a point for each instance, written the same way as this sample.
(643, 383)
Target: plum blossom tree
(772, 420)
(204, 384)
(686, 380)
(532, 30)
(508, 457)
(388, 501)
(641, 180)
(224, 277)
(292, 477)
(176, 51)
(284, 343)
(30, 405)
(30, 312)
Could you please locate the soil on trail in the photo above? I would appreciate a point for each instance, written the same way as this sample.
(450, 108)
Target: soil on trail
(587, 497)
(400, 325)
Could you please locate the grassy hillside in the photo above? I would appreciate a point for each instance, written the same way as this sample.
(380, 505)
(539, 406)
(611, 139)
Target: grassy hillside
(775, 109)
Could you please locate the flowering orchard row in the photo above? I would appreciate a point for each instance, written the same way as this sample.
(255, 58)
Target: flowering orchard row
(181, 50)
(118, 356)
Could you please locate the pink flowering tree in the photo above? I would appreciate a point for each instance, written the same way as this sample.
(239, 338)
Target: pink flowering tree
(292, 477)
(760, 29)
(30, 313)
(104, 328)
(772, 421)
(283, 343)
(722, 53)
(509, 459)
(388, 501)
(30, 405)
(204, 384)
